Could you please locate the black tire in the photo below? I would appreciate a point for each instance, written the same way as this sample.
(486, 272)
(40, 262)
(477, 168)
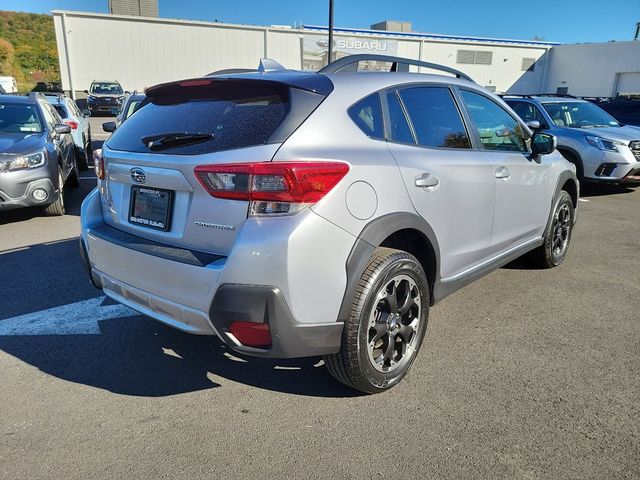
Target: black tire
(355, 365)
(558, 234)
(56, 208)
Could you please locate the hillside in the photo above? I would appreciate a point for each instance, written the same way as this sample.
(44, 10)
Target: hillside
(28, 48)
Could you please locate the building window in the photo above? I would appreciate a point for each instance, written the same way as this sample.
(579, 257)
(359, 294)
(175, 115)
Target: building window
(528, 64)
(474, 57)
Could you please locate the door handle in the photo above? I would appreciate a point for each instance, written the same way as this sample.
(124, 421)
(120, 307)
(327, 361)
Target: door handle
(427, 180)
(502, 172)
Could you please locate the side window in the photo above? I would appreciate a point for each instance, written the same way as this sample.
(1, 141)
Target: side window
(496, 128)
(71, 105)
(435, 117)
(60, 110)
(49, 119)
(528, 112)
(398, 125)
(367, 115)
(57, 118)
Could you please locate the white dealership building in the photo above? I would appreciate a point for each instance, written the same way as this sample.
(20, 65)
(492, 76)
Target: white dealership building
(142, 51)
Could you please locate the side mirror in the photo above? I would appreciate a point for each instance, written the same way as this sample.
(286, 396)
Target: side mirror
(86, 112)
(109, 127)
(61, 129)
(533, 124)
(86, 91)
(543, 143)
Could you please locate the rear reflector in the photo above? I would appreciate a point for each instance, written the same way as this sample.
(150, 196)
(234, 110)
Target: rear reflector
(272, 187)
(251, 334)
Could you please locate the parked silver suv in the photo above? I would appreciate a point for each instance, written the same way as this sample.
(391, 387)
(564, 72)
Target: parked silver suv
(299, 214)
(602, 149)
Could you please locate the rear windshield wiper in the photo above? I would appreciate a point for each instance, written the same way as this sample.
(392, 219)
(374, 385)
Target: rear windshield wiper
(177, 139)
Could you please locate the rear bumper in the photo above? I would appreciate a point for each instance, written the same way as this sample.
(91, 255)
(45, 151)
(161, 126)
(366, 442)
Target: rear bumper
(187, 290)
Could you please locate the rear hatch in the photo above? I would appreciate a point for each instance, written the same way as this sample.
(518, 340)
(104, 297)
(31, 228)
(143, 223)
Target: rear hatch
(150, 189)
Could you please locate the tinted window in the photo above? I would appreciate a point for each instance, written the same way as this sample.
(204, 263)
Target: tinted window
(367, 114)
(497, 129)
(435, 117)
(19, 118)
(528, 112)
(48, 115)
(231, 114)
(61, 111)
(398, 126)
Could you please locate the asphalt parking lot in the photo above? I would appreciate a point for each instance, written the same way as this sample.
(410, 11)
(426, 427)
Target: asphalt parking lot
(525, 374)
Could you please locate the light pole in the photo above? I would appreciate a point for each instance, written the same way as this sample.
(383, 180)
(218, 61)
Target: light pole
(330, 31)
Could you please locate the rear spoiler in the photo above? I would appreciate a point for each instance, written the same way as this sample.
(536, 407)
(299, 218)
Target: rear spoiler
(309, 81)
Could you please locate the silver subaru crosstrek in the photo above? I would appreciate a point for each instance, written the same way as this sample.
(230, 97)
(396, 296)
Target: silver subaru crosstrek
(320, 213)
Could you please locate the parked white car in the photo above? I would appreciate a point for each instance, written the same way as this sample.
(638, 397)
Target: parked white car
(9, 84)
(78, 120)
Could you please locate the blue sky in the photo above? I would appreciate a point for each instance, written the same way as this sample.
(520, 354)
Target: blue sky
(567, 21)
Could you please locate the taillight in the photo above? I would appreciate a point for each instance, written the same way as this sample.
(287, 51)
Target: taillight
(273, 188)
(251, 334)
(72, 124)
(98, 163)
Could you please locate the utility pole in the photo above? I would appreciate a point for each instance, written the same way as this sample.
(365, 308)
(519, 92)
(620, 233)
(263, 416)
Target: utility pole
(330, 31)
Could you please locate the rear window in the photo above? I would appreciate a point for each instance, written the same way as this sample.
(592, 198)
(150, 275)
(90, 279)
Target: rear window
(61, 111)
(222, 116)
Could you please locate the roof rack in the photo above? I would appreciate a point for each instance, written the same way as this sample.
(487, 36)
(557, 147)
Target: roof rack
(560, 95)
(398, 64)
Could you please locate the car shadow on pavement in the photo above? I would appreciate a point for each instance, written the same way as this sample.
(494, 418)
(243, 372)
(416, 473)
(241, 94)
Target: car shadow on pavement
(598, 190)
(51, 318)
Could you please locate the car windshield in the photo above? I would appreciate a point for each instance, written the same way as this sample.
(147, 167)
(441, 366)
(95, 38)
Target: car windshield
(19, 118)
(106, 88)
(579, 115)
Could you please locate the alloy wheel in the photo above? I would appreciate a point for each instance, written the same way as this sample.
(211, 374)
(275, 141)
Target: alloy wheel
(561, 230)
(393, 324)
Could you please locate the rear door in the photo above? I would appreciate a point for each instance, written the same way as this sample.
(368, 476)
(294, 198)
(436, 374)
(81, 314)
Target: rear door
(523, 184)
(150, 189)
(450, 183)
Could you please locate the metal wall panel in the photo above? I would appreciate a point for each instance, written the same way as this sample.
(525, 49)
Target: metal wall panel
(140, 52)
(591, 69)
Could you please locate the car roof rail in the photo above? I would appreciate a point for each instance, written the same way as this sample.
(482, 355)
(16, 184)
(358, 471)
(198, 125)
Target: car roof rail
(559, 95)
(398, 64)
(517, 95)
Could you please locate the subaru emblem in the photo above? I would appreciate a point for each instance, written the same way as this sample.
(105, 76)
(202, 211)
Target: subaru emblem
(138, 176)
